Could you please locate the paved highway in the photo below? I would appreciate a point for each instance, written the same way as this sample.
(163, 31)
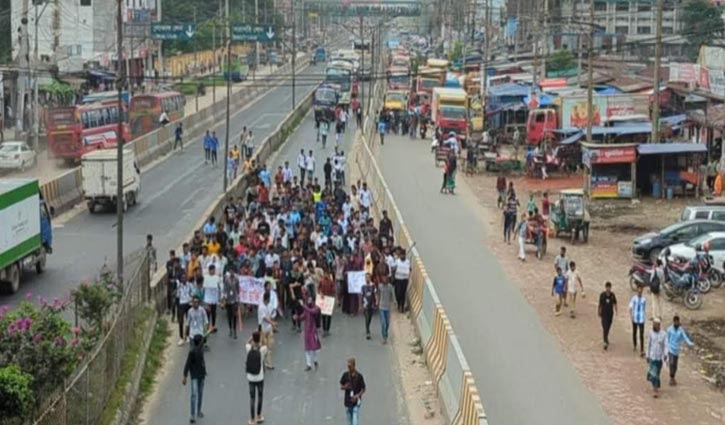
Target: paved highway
(291, 395)
(181, 187)
(522, 375)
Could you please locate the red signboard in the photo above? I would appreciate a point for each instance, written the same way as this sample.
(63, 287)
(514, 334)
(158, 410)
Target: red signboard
(614, 155)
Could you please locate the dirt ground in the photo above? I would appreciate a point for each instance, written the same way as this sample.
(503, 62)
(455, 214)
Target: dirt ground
(616, 376)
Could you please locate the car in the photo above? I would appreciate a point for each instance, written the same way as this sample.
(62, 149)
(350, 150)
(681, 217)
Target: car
(17, 156)
(648, 246)
(704, 212)
(716, 248)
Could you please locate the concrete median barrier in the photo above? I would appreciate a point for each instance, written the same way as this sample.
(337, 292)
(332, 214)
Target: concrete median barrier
(460, 400)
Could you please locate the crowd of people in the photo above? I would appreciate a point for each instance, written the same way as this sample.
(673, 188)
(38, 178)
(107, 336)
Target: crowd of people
(302, 237)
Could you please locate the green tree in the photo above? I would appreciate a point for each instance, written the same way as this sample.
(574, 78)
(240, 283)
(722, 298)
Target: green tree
(16, 395)
(560, 61)
(701, 22)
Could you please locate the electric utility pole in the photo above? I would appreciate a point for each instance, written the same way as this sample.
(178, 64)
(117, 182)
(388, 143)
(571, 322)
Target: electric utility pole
(658, 58)
(590, 72)
(120, 202)
(161, 42)
(294, 55)
(225, 156)
(196, 64)
(362, 63)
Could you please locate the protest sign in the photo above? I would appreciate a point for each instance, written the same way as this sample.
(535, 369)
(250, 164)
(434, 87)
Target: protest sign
(251, 290)
(355, 282)
(326, 304)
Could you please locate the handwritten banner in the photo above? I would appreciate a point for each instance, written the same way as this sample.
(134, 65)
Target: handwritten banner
(326, 304)
(251, 290)
(355, 282)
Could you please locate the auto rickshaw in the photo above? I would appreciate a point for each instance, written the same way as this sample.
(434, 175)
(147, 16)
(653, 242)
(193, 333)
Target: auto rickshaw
(569, 215)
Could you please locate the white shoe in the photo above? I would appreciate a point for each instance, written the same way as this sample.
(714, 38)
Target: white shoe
(180, 342)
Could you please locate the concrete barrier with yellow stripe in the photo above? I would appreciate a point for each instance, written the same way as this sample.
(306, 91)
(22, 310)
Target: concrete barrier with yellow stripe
(460, 400)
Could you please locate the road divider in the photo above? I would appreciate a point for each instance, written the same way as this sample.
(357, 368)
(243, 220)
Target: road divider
(457, 391)
(64, 192)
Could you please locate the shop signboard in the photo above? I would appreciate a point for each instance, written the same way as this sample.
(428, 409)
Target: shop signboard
(624, 189)
(684, 72)
(613, 155)
(574, 111)
(628, 105)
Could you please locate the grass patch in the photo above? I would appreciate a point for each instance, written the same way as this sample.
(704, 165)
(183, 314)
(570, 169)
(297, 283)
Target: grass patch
(153, 359)
(129, 360)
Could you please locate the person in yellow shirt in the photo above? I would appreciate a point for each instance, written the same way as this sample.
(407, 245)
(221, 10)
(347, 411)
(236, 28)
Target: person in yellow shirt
(213, 246)
(192, 266)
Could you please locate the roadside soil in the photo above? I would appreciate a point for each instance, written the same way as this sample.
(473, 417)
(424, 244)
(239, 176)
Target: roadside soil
(616, 376)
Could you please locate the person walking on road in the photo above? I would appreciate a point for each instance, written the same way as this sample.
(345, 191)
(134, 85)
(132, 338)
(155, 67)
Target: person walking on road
(178, 134)
(212, 292)
(369, 300)
(385, 301)
(214, 147)
(256, 355)
(310, 312)
(302, 165)
(184, 293)
(196, 369)
(230, 301)
(310, 166)
(401, 274)
(521, 231)
(207, 147)
(250, 144)
(655, 356)
(381, 131)
(676, 335)
(558, 290)
(327, 289)
(352, 384)
(267, 326)
(606, 310)
(197, 319)
(572, 280)
(327, 169)
(637, 312)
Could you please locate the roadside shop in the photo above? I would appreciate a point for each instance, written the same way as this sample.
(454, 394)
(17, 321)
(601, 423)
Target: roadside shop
(612, 169)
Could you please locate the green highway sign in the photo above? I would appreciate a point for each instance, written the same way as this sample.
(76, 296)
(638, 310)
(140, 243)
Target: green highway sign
(168, 31)
(385, 8)
(264, 33)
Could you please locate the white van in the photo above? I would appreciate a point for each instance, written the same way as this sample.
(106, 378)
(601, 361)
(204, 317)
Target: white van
(704, 212)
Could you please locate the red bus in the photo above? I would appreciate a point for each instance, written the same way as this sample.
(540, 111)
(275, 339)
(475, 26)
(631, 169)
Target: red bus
(146, 110)
(75, 130)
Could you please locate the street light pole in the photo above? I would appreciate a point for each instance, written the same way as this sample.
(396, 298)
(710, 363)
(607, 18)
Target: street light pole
(590, 72)
(294, 56)
(658, 57)
(229, 95)
(120, 80)
(196, 64)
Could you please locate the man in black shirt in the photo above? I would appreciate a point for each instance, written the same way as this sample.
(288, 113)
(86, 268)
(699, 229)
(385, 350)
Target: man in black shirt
(327, 168)
(607, 310)
(353, 384)
(386, 229)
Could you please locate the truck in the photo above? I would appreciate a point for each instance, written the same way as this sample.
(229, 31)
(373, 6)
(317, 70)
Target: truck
(449, 110)
(100, 178)
(26, 233)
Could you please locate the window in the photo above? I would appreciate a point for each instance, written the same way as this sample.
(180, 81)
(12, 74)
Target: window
(621, 30)
(84, 119)
(622, 7)
(702, 214)
(85, 2)
(717, 244)
(600, 6)
(644, 7)
(667, 30)
(710, 227)
(644, 30)
(718, 215)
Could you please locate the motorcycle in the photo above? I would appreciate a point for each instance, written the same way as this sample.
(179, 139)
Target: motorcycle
(642, 275)
(683, 286)
(692, 267)
(706, 262)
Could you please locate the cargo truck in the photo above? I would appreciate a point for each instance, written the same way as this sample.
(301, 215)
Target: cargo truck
(99, 171)
(26, 234)
(449, 110)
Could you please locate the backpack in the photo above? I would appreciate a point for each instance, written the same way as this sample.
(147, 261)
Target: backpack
(254, 361)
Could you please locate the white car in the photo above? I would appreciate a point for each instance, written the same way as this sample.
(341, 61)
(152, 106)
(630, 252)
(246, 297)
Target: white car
(715, 241)
(16, 156)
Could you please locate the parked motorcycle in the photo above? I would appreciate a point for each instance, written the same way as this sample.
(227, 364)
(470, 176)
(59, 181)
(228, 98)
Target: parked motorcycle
(682, 282)
(693, 267)
(642, 275)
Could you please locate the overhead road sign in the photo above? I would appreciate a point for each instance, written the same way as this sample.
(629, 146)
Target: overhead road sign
(263, 33)
(168, 31)
(384, 8)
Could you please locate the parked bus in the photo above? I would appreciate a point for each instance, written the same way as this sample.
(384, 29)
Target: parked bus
(75, 130)
(340, 73)
(146, 110)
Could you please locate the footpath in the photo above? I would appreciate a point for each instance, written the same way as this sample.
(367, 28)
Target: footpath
(291, 395)
(511, 355)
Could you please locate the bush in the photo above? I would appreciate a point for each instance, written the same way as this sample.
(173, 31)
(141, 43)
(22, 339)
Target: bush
(16, 394)
(93, 301)
(40, 343)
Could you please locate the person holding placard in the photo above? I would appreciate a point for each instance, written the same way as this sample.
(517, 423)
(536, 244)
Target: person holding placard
(326, 289)
(369, 299)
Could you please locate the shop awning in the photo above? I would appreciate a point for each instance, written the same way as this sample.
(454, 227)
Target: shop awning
(572, 139)
(509, 89)
(670, 148)
(674, 119)
(542, 99)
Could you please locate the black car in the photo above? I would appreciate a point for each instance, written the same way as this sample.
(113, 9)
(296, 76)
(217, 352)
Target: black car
(648, 246)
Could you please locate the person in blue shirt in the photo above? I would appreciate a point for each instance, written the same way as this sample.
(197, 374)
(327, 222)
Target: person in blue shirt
(214, 147)
(265, 176)
(558, 289)
(675, 337)
(207, 147)
(178, 132)
(381, 130)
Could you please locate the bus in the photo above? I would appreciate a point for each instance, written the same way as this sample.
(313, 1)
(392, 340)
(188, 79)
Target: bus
(106, 96)
(398, 79)
(73, 131)
(340, 73)
(146, 110)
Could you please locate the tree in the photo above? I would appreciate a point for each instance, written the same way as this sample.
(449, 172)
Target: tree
(6, 33)
(563, 60)
(701, 22)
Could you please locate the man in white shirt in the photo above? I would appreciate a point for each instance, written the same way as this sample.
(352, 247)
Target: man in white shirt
(401, 274)
(572, 280)
(310, 166)
(286, 173)
(302, 165)
(197, 320)
(256, 380)
(366, 198)
(212, 292)
(264, 319)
